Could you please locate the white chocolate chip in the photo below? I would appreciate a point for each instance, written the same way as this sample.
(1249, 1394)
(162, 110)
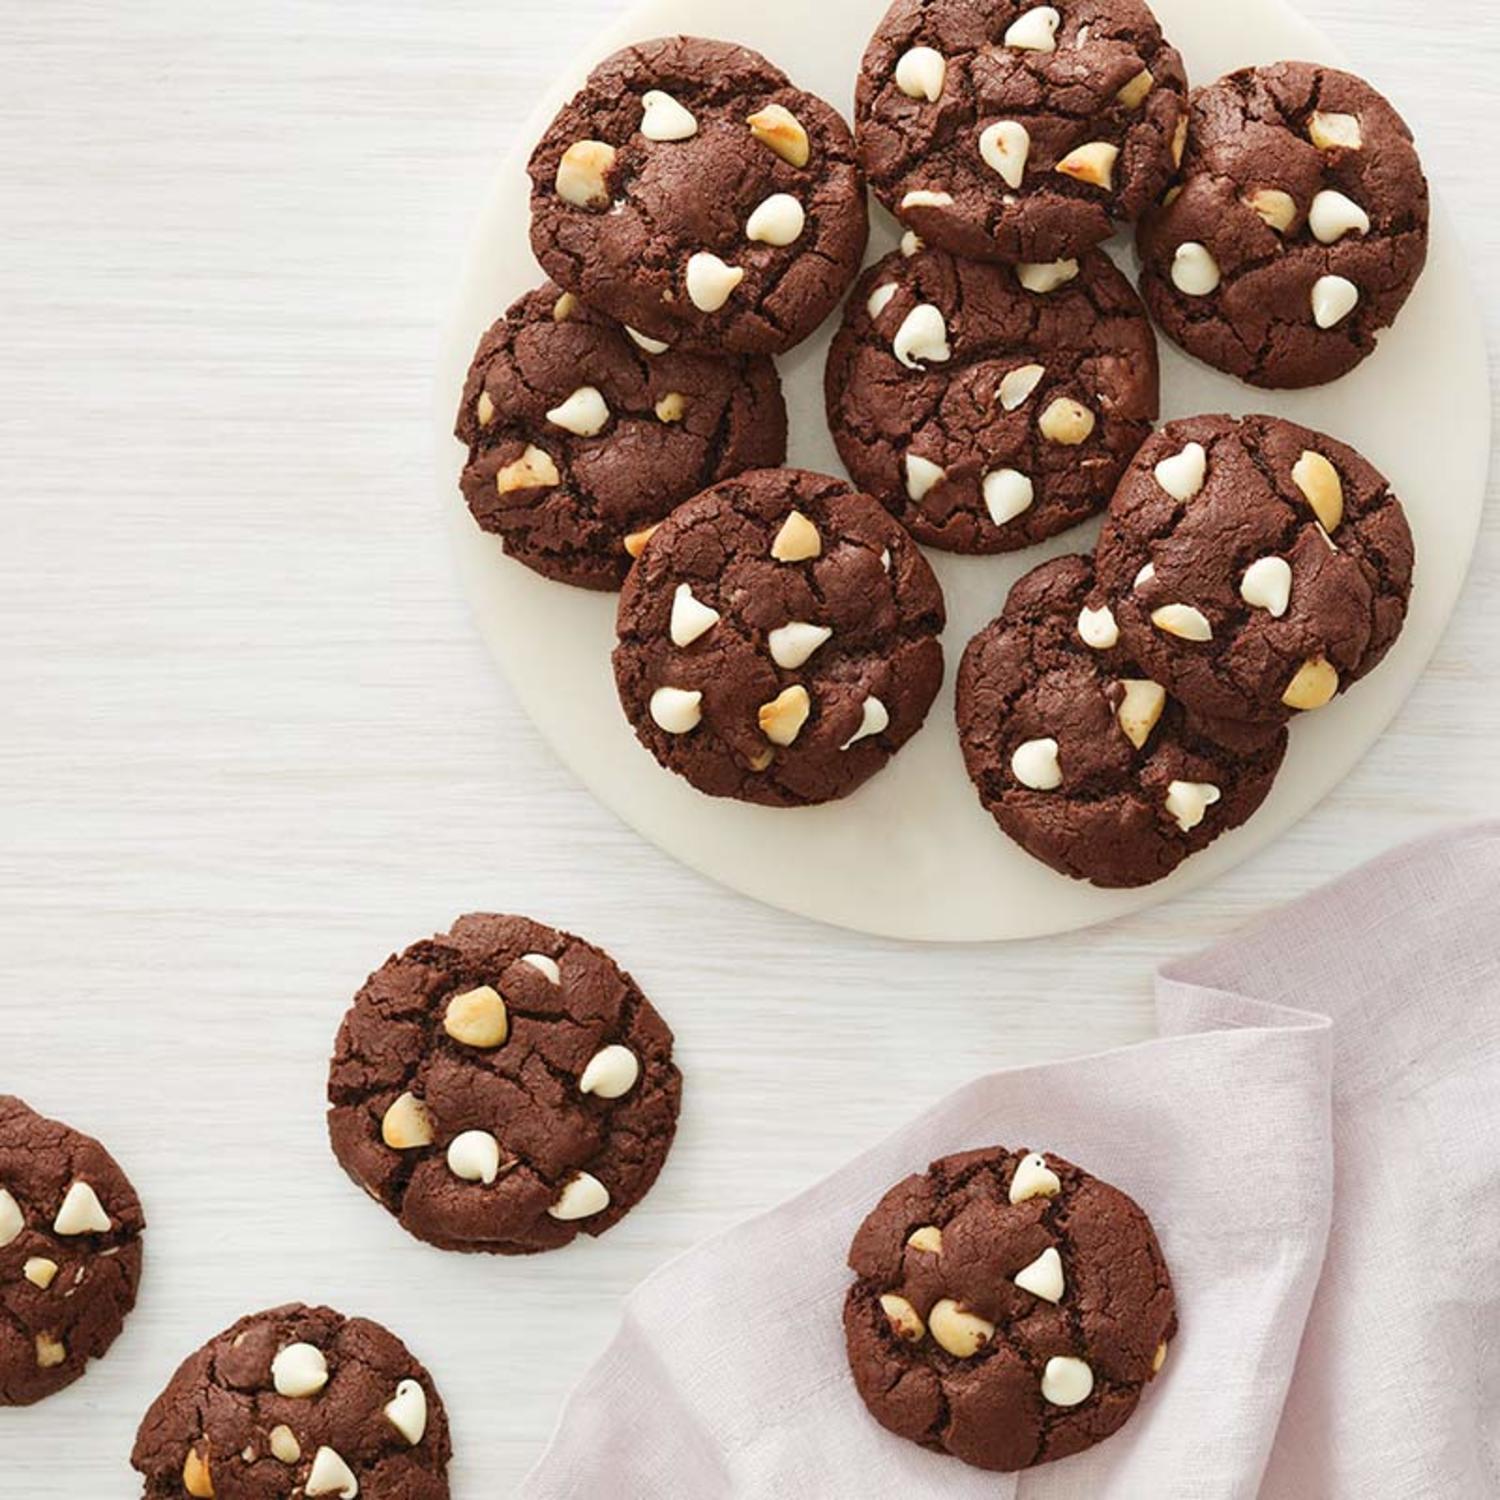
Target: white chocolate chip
(880, 299)
(777, 127)
(583, 174)
(1179, 141)
(583, 413)
(885, 559)
(1034, 1179)
(874, 718)
(676, 710)
(1043, 1277)
(299, 1370)
(1194, 271)
(1276, 208)
(691, 617)
(1017, 385)
(781, 719)
(1004, 147)
(1334, 132)
(406, 1124)
(12, 1220)
(1267, 585)
(331, 1476)
(1182, 475)
(564, 307)
(582, 1196)
(406, 1411)
(39, 1271)
(1034, 30)
(911, 243)
(50, 1352)
(1044, 276)
(81, 1212)
(791, 644)
(1007, 493)
(921, 475)
(1144, 576)
(1093, 163)
(906, 1322)
(1183, 621)
(1140, 708)
(611, 1072)
(197, 1480)
(921, 72)
(1333, 299)
(1066, 421)
(533, 470)
(929, 1239)
(474, 1156)
(477, 1018)
(1097, 628)
(1066, 1381)
(635, 542)
(1321, 486)
(1159, 1358)
(1315, 683)
(671, 407)
(544, 965)
(484, 409)
(963, 1334)
(926, 198)
(284, 1445)
(779, 220)
(797, 540)
(1189, 801)
(1133, 94)
(650, 345)
(1332, 216)
(711, 280)
(922, 336)
(1035, 765)
(664, 119)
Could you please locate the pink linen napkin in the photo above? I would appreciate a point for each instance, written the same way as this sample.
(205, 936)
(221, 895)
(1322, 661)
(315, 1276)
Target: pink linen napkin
(1315, 1135)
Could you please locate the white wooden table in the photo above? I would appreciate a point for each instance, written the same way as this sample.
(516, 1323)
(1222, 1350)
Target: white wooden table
(249, 742)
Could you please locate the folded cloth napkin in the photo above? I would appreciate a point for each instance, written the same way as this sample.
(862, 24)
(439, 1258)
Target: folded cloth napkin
(1315, 1136)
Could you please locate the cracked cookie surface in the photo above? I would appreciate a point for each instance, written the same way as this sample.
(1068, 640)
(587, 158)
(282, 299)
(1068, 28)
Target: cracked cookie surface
(778, 639)
(297, 1401)
(1196, 620)
(627, 433)
(1044, 1369)
(70, 1252)
(502, 1087)
(1039, 125)
(655, 198)
(957, 443)
(1302, 199)
(1140, 783)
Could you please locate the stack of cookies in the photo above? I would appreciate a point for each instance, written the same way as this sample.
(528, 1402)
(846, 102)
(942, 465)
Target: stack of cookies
(992, 384)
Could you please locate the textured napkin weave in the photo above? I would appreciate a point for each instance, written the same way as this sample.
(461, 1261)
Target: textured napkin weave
(1316, 1137)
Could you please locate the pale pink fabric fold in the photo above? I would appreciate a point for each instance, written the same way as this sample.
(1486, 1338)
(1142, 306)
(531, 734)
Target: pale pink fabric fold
(1316, 1135)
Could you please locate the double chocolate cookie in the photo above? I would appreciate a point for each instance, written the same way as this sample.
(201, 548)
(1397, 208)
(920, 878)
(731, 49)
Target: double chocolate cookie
(778, 639)
(502, 1087)
(1009, 1308)
(580, 436)
(297, 1401)
(1297, 232)
(1255, 567)
(990, 410)
(1080, 756)
(1009, 131)
(693, 193)
(70, 1252)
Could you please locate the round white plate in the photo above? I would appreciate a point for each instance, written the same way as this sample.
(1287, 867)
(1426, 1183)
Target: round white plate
(912, 854)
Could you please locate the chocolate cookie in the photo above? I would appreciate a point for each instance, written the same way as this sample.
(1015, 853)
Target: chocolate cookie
(581, 437)
(70, 1252)
(1080, 757)
(987, 416)
(501, 1087)
(1007, 131)
(779, 639)
(1255, 567)
(1297, 232)
(297, 1401)
(1009, 1308)
(692, 192)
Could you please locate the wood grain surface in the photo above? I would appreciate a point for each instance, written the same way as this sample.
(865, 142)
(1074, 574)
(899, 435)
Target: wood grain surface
(250, 743)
